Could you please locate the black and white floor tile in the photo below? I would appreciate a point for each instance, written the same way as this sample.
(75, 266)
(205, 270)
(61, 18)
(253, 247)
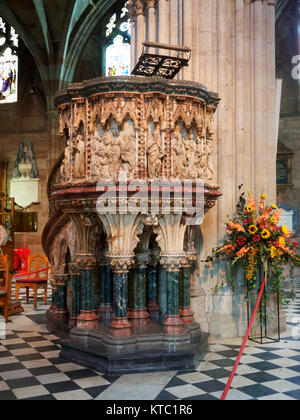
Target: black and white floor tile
(30, 368)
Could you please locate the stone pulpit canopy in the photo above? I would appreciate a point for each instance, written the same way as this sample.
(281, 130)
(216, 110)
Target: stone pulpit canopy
(122, 268)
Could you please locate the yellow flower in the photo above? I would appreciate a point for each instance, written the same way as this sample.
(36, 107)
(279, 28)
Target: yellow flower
(281, 240)
(285, 230)
(265, 234)
(249, 209)
(272, 220)
(253, 229)
(263, 196)
(274, 206)
(273, 252)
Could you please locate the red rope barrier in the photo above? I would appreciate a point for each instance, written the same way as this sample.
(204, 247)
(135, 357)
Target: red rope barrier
(244, 344)
(33, 272)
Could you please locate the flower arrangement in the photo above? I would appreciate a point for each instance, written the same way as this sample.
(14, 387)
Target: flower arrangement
(255, 239)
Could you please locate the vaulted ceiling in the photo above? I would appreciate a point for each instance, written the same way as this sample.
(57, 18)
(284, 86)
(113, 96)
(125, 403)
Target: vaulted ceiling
(55, 32)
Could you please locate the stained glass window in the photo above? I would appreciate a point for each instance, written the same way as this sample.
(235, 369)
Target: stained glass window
(9, 43)
(118, 34)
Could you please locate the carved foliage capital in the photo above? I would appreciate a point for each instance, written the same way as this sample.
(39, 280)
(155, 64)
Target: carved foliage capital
(85, 261)
(121, 263)
(150, 4)
(172, 262)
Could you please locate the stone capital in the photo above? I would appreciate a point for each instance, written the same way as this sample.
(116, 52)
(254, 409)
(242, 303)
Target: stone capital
(61, 279)
(138, 7)
(172, 262)
(150, 4)
(74, 268)
(121, 263)
(85, 261)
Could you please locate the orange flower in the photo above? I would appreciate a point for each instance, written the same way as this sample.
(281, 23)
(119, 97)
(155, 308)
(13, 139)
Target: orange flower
(235, 226)
(243, 251)
(277, 215)
(251, 201)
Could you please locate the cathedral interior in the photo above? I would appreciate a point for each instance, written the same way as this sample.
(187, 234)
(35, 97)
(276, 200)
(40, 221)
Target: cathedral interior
(105, 106)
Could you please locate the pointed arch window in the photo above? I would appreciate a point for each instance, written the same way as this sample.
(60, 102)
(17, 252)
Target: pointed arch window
(117, 46)
(9, 43)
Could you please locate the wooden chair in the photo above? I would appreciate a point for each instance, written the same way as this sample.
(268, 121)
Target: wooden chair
(5, 289)
(34, 281)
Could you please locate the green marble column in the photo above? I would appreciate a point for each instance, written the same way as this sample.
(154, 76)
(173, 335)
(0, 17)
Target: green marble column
(105, 289)
(153, 288)
(186, 313)
(120, 304)
(173, 322)
(173, 293)
(120, 325)
(139, 309)
(87, 290)
(87, 319)
(162, 296)
(76, 279)
(61, 311)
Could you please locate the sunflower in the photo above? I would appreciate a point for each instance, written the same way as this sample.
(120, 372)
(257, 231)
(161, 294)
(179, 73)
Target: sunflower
(265, 234)
(249, 209)
(253, 229)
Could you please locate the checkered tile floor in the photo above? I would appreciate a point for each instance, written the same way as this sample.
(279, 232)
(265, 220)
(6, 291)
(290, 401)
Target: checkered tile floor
(30, 368)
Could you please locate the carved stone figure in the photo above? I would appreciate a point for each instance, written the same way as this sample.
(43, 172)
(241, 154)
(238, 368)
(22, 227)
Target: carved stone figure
(180, 163)
(155, 155)
(200, 162)
(191, 155)
(79, 157)
(100, 161)
(114, 154)
(127, 143)
(66, 165)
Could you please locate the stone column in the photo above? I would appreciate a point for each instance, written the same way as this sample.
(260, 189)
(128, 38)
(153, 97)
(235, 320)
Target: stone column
(105, 307)
(162, 292)
(271, 101)
(260, 156)
(140, 27)
(120, 326)
(132, 17)
(54, 296)
(88, 318)
(174, 26)
(163, 19)
(153, 270)
(76, 286)
(173, 323)
(56, 144)
(61, 311)
(188, 28)
(139, 309)
(151, 18)
(186, 312)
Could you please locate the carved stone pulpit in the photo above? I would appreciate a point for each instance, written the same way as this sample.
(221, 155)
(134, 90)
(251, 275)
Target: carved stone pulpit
(137, 152)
